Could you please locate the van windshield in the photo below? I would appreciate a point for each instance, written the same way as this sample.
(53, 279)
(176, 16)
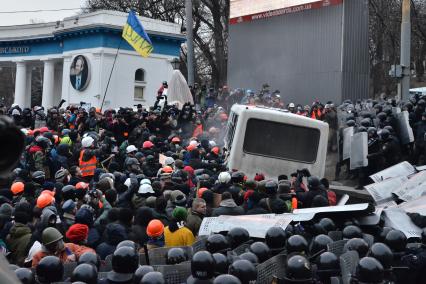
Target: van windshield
(283, 141)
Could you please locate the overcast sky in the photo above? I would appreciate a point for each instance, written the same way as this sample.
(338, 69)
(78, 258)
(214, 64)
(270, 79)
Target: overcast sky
(31, 5)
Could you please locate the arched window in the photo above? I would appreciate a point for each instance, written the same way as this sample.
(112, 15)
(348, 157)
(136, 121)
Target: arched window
(140, 85)
(140, 75)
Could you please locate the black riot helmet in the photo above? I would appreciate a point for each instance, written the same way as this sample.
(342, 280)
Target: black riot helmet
(298, 268)
(125, 260)
(382, 253)
(25, 275)
(384, 134)
(128, 243)
(352, 231)
(358, 245)
(296, 243)
(275, 238)
(320, 243)
(153, 278)
(261, 250)
(202, 265)
(327, 225)
(328, 265)
(369, 270)
(389, 128)
(243, 270)
(396, 240)
(361, 129)
(381, 116)
(221, 263)
(140, 273)
(365, 122)
(90, 258)
(271, 187)
(383, 233)
(50, 269)
(176, 256)
(250, 257)
(350, 123)
(226, 279)
(237, 236)
(216, 243)
(85, 273)
(372, 131)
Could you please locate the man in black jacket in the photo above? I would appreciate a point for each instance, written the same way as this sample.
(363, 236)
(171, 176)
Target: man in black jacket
(227, 206)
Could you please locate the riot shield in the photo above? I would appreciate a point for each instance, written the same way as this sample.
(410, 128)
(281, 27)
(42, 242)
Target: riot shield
(359, 151)
(347, 139)
(403, 128)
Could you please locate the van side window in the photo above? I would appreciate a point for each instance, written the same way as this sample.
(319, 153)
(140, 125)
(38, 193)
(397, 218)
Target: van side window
(230, 131)
(283, 141)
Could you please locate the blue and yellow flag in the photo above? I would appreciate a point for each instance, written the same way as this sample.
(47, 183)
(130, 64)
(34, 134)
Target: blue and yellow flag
(135, 35)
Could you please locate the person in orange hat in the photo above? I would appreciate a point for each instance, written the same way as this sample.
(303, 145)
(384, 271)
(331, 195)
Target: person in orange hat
(45, 199)
(17, 188)
(155, 233)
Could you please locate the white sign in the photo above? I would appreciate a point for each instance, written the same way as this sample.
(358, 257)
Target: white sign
(414, 206)
(401, 169)
(331, 209)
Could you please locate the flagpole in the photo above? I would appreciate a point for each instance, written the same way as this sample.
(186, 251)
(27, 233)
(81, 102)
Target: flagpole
(110, 74)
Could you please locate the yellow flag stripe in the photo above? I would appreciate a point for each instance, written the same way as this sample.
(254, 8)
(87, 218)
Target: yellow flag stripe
(141, 46)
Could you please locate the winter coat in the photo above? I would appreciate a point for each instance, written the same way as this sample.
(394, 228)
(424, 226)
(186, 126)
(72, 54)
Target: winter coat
(193, 222)
(17, 241)
(114, 234)
(177, 235)
(75, 249)
(228, 207)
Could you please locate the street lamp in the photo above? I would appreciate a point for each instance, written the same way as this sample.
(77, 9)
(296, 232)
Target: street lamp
(175, 63)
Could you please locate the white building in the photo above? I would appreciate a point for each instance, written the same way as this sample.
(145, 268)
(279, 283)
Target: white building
(96, 36)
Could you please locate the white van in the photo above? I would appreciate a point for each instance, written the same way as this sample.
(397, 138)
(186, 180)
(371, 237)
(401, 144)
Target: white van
(274, 142)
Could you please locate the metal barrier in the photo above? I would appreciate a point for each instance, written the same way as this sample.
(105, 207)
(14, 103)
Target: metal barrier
(335, 235)
(200, 244)
(348, 263)
(158, 256)
(337, 247)
(175, 274)
(275, 266)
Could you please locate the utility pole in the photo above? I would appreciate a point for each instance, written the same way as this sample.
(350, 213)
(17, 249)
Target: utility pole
(189, 42)
(404, 86)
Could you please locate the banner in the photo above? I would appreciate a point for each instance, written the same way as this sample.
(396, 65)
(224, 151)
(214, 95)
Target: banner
(413, 188)
(359, 151)
(347, 139)
(396, 218)
(402, 169)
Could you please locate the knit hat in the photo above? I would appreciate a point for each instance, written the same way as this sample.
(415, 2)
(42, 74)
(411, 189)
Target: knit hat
(6, 210)
(259, 177)
(77, 233)
(68, 206)
(177, 197)
(48, 185)
(180, 214)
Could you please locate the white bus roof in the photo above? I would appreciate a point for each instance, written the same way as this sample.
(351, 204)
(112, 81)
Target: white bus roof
(238, 109)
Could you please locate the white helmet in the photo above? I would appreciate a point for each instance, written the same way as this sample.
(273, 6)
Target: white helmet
(169, 161)
(291, 105)
(145, 181)
(224, 177)
(87, 142)
(145, 188)
(131, 148)
(212, 143)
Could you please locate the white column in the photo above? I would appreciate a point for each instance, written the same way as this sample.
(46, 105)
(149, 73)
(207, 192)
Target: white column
(20, 83)
(48, 84)
(28, 89)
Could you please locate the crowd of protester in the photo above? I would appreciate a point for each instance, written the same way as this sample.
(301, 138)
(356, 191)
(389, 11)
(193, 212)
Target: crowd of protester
(95, 184)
